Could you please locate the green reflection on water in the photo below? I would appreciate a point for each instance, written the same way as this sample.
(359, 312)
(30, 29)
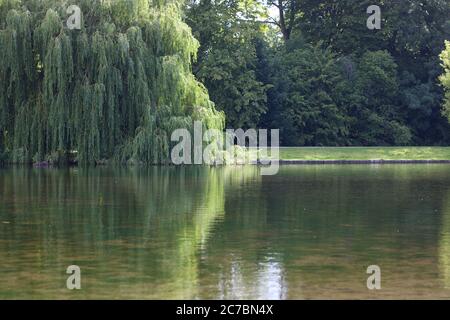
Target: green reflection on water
(197, 232)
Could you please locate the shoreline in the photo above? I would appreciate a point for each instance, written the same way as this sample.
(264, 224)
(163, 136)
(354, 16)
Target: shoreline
(258, 162)
(375, 161)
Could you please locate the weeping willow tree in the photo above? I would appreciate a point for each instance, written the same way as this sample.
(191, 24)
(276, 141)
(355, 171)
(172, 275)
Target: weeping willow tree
(114, 89)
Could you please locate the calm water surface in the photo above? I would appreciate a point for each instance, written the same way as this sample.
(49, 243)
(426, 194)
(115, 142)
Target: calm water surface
(186, 233)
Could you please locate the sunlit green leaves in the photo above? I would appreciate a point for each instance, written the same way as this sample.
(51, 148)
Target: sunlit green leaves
(445, 78)
(113, 89)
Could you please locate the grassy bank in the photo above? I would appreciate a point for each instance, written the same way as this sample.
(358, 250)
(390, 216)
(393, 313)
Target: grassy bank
(365, 153)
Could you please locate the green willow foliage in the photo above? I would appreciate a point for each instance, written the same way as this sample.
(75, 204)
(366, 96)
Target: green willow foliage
(445, 78)
(114, 89)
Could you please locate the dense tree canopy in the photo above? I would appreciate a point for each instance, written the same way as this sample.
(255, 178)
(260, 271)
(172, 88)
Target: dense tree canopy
(308, 110)
(228, 63)
(330, 80)
(115, 88)
(413, 32)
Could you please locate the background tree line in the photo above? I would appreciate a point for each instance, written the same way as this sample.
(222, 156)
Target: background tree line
(313, 69)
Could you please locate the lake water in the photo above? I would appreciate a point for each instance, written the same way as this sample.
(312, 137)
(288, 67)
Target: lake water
(185, 233)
